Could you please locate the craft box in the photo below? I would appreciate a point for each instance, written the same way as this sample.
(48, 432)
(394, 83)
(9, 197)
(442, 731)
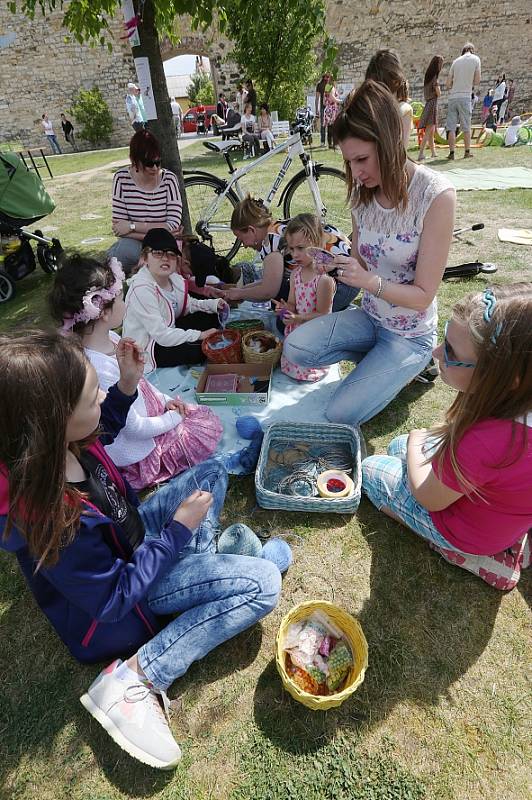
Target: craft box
(245, 394)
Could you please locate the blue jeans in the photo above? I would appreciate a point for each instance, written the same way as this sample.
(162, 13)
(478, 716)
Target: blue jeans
(216, 596)
(127, 251)
(54, 144)
(385, 482)
(386, 361)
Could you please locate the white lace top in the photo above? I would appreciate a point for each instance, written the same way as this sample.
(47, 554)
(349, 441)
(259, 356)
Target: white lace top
(388, 242)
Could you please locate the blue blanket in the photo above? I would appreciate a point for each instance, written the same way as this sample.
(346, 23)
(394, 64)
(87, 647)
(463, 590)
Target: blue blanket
(290, 400)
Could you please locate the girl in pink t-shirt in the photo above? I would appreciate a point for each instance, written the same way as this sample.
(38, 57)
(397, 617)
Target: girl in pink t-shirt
(466, 485)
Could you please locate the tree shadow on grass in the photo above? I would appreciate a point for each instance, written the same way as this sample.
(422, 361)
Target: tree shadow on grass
(426, 623)
(40, 710)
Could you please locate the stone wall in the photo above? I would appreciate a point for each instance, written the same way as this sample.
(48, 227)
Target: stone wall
(40, 71)
(500, 31)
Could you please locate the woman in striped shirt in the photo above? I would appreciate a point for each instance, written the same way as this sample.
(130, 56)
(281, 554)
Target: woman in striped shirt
(144, 197)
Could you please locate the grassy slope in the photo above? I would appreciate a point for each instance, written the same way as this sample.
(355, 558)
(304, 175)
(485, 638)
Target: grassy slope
(441, 713)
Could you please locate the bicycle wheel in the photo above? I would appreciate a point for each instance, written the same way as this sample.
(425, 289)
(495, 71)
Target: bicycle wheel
(332, 185)
(201, 191)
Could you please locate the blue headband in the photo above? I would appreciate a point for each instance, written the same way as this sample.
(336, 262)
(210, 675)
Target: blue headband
(489, 300)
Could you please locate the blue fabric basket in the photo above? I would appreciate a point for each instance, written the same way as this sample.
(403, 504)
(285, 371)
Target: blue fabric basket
(293, 432)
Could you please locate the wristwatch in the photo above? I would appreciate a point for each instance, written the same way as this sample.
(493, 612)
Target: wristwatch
(132, 226)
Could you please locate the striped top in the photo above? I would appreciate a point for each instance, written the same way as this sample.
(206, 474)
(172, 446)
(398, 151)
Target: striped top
(162, 204)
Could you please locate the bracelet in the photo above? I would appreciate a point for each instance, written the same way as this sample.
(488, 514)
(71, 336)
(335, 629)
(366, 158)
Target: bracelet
(378, 293)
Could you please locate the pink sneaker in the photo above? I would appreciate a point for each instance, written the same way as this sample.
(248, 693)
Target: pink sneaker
(133, 717)
(501, 570)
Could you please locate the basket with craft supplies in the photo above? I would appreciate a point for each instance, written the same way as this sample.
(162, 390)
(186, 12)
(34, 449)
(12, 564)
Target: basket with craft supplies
(261, 347)
(245, 325)
(321, 654)
(310, 467)
(223, 347)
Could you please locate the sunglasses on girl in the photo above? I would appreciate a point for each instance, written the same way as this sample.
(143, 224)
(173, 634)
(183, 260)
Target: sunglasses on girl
(156, 162)
(447, 349)
(170, 255)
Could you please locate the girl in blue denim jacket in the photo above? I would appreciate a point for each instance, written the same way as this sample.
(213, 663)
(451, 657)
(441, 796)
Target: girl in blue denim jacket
(103, 568)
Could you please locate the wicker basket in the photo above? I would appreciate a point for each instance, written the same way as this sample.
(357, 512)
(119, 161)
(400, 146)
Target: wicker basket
(232, 354)
(245, 325)
(355, 638)
(270, 357)
(292, 432)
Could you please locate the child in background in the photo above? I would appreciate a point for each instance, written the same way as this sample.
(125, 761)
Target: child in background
(162, 436)
(311, 294)
(465, 485)
(160, 315)
(111, 575)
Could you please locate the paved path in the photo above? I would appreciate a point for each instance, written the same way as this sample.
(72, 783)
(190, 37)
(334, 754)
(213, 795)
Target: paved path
(87, 174)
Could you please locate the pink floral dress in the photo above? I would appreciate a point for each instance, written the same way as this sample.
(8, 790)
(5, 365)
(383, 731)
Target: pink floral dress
(306, 297)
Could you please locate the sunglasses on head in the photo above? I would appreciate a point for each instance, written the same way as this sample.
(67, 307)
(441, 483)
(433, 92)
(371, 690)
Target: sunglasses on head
(155, 162)
(447, 348)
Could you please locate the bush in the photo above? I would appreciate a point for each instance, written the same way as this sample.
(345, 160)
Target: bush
(92, 112)
(200, 89)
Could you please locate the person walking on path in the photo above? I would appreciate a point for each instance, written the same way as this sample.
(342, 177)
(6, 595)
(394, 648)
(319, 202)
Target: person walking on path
(68, 131)
(464, 76)
(429, 117)
(133, 107)
(320, 104)
(50, 135)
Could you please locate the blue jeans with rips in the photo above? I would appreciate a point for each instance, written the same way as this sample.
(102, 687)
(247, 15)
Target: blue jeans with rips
(385, 360)
(216, 595)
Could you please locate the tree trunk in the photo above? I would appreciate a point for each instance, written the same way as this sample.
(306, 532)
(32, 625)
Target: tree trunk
(163, 127)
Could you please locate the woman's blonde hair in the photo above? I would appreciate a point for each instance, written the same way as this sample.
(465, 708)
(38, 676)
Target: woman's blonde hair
(371, 113)
(385, 67)
(250, 212)
(499, 321)
(307, 224)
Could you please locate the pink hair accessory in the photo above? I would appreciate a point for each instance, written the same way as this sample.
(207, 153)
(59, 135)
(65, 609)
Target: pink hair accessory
(95, 298)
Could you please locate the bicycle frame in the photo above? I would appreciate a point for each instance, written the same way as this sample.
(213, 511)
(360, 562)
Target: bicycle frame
(295, 148)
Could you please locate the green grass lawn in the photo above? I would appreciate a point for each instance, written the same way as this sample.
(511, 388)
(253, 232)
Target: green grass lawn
(442, 713)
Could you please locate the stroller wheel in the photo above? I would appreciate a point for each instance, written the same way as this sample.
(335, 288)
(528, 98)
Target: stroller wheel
(49, 255)
(7, 287)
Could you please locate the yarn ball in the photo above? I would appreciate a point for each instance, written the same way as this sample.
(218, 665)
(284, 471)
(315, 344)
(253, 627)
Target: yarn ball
(240, 540)
(278, 551)
(247, 426)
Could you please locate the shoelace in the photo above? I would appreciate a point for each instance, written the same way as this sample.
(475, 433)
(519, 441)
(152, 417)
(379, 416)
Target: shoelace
(139, 692)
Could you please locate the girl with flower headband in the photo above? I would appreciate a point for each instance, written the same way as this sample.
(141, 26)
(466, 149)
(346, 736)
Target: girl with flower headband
(465, 485)
(162, 436)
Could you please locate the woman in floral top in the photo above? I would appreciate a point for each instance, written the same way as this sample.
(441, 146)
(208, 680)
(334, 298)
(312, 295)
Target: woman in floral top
(403, 216)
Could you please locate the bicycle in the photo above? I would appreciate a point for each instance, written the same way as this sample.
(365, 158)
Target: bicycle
(211, 199)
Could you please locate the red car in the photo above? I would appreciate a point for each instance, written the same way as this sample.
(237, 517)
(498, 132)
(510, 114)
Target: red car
(189, 120)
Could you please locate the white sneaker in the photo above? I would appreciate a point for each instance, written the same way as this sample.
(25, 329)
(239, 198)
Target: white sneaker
(132, 715)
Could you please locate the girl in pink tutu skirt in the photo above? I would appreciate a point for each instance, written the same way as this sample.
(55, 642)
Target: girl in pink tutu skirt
(311, 293)
(162, 436)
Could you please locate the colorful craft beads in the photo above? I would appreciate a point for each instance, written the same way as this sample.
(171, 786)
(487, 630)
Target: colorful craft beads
(340, 660)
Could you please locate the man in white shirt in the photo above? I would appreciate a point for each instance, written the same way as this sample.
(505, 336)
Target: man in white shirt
(133, 107)
(464, 77)
(177, 113)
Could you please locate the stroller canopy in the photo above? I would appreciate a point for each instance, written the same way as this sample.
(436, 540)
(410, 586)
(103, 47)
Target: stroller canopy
(23, 198)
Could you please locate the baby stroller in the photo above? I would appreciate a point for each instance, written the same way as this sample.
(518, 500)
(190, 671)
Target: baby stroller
(23, 200)
(200, 124)
(303, 124)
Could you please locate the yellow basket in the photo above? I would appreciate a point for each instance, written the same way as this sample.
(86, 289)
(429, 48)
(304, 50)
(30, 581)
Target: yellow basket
(270, 357)
(354, 636)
